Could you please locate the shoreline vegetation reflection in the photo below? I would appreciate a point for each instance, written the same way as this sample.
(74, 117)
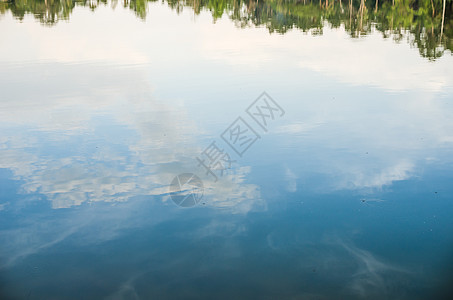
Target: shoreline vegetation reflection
(425, 24)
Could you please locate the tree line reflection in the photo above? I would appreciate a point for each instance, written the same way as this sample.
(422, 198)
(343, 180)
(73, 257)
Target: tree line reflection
(425, 24)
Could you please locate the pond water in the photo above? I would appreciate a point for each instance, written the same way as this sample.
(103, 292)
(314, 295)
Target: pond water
(318, 143)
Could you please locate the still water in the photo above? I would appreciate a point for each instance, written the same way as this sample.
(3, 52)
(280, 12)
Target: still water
(346, 192)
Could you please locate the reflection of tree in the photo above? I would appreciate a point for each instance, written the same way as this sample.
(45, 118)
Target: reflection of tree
(48, 11)
(427, 24)
(51, 11)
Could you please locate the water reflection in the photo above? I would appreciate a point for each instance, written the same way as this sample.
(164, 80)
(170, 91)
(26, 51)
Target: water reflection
(110, 142)
(349, 194)
(425, 24)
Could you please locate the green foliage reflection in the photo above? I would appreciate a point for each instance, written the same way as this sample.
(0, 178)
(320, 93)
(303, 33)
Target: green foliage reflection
(426, 24)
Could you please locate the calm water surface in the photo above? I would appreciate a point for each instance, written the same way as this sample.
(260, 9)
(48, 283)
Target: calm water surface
(348, 195)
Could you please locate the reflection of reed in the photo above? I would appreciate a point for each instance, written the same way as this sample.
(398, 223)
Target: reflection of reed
(350, 12)
(443, 19)
(362, 5)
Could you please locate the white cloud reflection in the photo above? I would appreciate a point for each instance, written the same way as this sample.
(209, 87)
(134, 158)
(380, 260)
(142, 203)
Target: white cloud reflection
(373, 61)
(374, 278)
(163, 130)
(111, 142)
